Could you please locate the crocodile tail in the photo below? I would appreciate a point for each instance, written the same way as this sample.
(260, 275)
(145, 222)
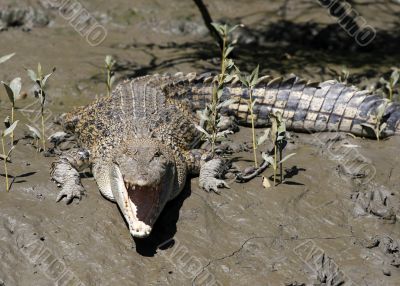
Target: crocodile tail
(306, 106)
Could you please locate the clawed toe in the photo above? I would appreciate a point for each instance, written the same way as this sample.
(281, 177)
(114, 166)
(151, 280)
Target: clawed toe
(213, 185)
(70, 193)
(210, 173)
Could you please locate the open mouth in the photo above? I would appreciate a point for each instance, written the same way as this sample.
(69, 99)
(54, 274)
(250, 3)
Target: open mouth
(146, 199)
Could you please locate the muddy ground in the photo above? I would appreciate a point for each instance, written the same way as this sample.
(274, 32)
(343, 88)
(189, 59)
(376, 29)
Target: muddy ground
(333, 222)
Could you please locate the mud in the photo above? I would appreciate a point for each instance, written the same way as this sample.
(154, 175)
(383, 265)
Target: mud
(333, 222)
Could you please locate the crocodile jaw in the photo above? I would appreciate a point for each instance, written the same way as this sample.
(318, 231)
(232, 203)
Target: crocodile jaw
(140, 205)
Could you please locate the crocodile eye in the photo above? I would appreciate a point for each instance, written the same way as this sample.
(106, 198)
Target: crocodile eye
(158, 154)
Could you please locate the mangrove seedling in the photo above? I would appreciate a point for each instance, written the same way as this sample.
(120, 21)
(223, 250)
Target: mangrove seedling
(380, 125)
(110, 62)
(279, 137)
(35, 135)
(5, 156)
(13, 90)
(40, 81)
(342, 76)
(250, 81)
(390, 84)
(211, 115)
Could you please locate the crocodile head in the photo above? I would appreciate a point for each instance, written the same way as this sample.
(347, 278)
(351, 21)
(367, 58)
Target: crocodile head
(143, 176)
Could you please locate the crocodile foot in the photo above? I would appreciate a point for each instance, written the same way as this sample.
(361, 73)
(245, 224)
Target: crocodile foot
(71, 191)
(211, 173)
(64, 172)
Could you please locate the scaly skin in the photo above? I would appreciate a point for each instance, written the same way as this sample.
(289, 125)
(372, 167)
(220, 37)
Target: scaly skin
(142, 138)
(306, 107)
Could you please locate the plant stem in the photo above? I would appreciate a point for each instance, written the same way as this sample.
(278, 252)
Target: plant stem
(215, 99)
(280, 165)
(275, 165)
(253, 131)
(5, 162)
(108, 81)
(43, 138)
(12, 121)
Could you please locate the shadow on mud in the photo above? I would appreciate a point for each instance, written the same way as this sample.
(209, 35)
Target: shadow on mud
(279, 47)
(164, 229)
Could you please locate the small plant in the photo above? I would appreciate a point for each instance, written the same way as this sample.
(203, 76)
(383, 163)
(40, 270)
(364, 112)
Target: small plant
(13, 90)
(110, 62)
(342, 76)
(40, 80)
(36, 136)
(378, 116)
(391, 84)
(6, 58)
(279, 137)
(5, 156)
(211, 115)
(251, 81)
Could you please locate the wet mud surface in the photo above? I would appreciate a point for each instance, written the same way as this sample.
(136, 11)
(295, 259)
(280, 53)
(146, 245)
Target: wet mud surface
(333, 222)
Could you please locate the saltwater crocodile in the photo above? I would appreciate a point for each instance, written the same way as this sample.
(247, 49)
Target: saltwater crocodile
(141, 141)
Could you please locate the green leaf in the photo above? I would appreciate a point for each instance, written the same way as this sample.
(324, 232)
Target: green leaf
(286, 158)
(39, 70)
(34, 132)
(229, 78)
(32, 75)
(383, 126)
(368, 126)
(203, 115)
(112, 80)
(229, 63)
(254, 76)
(9, 91)
(6, 58)
(380, 110)
(220, 92)
(7, 122)
(282, 128)
(263, 137)
(202, 130)
(108, 60)
(47, 76)
(395, 77)
(233, 28)
(10, 129)
(15, 86)
(383, 81)
(219, 28)
(228, 51)
(13, 90)
(10, 151)
(253, 103)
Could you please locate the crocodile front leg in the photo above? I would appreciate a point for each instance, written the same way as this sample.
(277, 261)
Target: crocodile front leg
(211, 174)
(65, 173)
(211, 171)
